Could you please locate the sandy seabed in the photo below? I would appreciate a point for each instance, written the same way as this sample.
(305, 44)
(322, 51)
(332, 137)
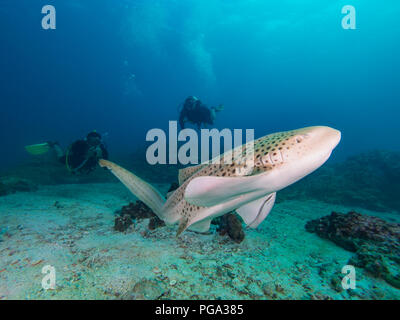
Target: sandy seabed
(70, 227)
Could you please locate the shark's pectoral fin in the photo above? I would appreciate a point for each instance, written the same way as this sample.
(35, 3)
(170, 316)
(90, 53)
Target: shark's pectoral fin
(256, 211)
(209, 191)
(186, 173)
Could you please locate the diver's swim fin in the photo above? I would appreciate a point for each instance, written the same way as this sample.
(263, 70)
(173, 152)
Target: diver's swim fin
(38, 149)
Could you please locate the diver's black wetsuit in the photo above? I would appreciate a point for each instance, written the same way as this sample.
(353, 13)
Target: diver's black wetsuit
(198, 114)
(82, 158)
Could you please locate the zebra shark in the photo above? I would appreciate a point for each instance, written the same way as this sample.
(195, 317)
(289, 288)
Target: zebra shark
(209, 190)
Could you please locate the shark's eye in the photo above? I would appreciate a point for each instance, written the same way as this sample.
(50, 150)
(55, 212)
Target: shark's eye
(299, 139)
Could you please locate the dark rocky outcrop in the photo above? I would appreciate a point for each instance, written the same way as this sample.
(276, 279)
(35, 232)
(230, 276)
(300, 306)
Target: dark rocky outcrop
(122, 223)
(231, 225)
(10, 185)
(376, 243)
(138, 211)
(155, 223)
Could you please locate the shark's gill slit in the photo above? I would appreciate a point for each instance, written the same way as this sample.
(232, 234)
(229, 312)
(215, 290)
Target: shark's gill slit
(282, 158)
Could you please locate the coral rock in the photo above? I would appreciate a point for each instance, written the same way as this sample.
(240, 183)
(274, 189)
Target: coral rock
(137, 211)
(122, 223)
(155, 223)
(376, 243)
(230, 224)
(10, 185)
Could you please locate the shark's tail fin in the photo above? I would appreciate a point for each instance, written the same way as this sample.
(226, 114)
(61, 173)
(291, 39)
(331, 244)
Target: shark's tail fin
(141, 189)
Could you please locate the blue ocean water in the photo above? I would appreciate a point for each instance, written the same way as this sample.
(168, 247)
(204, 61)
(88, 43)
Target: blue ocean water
(124, 67)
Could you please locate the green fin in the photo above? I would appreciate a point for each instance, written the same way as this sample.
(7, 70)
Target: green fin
(38, 149)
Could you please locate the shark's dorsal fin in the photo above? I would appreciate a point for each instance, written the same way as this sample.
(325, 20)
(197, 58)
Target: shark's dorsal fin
(186, 173)
(256, 211)
(208, 191)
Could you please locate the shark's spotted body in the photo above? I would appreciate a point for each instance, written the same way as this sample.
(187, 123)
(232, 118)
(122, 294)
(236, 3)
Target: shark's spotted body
(247, 184)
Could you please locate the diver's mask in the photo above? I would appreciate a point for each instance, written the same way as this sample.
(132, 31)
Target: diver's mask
(191, 102)
(93, 139)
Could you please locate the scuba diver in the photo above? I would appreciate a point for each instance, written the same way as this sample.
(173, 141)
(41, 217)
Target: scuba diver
(196, 112)
(81, 156)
